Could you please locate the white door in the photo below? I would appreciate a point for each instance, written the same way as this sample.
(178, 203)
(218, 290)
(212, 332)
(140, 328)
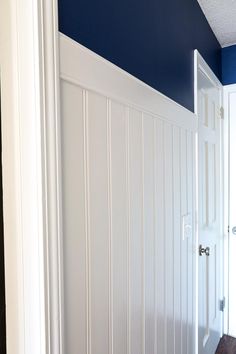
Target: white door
(231, 100)
(209, 226)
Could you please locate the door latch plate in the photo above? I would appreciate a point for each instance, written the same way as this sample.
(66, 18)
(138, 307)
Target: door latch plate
(222, 304)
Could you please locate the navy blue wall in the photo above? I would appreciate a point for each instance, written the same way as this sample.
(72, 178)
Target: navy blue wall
(229, 65)
(151, 39)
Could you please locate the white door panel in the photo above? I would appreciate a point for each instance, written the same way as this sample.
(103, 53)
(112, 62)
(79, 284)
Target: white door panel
(210, 218)
(127, 183)
(231, 101)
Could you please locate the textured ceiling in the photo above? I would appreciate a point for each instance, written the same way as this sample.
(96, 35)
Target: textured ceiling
(221, 15)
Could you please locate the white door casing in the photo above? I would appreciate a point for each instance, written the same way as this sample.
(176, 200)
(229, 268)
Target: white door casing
(31, 159)
(230, 113)
(210, 211)
(128, 207)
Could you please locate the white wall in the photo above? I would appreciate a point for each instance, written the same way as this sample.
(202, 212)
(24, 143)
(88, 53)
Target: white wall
(128, 163)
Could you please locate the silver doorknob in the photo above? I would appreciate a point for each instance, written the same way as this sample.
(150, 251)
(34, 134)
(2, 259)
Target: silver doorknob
(203, 250)
(234, 230)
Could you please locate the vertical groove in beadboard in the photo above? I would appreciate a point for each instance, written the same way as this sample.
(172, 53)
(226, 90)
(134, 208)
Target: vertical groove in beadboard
(164, 235)
(155, 235)
(143, 242)
(181, 242)
(110, 320)
(87, 216)
(128, 224)
(173, 233)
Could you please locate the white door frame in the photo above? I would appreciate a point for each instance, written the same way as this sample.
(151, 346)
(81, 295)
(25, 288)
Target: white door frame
(31, 155)
(227, 92)
(200, 65)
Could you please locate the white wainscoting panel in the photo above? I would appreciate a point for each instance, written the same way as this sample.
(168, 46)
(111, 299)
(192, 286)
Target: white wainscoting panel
(128, 156)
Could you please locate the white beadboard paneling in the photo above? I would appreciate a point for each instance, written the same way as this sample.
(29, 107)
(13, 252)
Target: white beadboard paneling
(98, 223)
(127, 183)
(177, 237)
(136, 232)
(119, 208)
(184, 258)
(169, 247)
(74, 242)
(190, 249)
(160, 235)
(149, 233)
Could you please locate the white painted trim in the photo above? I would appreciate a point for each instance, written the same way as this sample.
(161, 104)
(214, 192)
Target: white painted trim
(31, 192)
(91, 71)
(227, 91)
(51, 150)
(229, 88)
(201, 65)
(196, 205)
